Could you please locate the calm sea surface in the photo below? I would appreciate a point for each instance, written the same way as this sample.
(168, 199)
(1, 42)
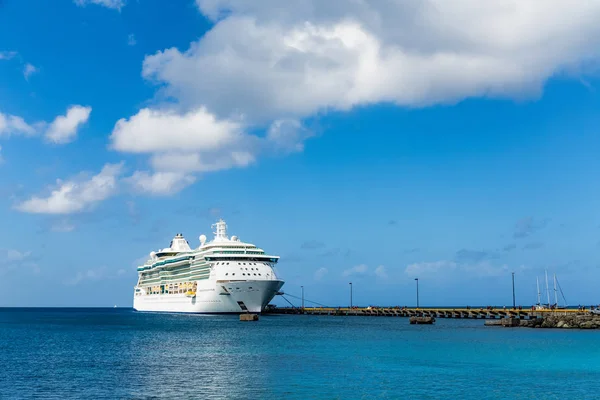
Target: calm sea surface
(121, 354)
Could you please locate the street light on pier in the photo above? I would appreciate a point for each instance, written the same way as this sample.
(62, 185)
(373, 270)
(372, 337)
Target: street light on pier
(350, 283)
(417, 279)
(302, 287)
(513, 284)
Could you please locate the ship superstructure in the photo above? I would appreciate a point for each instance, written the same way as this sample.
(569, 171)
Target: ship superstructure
(224, 275)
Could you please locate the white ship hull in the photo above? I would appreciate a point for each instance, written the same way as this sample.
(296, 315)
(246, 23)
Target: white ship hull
(211, 298)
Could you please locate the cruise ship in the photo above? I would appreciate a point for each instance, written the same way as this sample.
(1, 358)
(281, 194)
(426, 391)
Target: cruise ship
(224, 275)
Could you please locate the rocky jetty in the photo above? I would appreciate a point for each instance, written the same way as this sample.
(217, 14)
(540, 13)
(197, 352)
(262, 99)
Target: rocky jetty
(578, 321)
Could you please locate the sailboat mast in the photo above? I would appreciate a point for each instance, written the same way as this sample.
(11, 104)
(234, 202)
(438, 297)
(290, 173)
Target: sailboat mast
(547, 290)
(537, 281)
(555, 293)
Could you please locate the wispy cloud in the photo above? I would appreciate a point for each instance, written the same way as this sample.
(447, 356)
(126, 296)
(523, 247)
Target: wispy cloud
(75, 195)
(357, 270)
(381, 272)
(509, 247)
(131, 40)
(473, 256)
(312, 244)
(7, 55)
(533, 246)
(527, 226)
(320, 273)
(94, 274)
(29, 70)
(112, 4)
(12, 260)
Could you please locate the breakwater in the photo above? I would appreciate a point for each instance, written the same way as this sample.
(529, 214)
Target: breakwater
(467, 312)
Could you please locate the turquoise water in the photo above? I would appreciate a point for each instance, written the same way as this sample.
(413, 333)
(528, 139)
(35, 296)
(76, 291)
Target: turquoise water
(121, 354)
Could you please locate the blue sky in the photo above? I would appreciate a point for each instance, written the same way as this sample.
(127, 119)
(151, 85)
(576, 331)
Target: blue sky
(355, 143)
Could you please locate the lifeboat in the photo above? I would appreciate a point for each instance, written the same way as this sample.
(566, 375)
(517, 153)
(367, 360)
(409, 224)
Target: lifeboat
(190, 293)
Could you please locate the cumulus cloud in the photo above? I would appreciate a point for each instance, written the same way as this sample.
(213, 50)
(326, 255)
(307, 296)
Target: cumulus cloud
(64, 128)
(357, 270)
(311, 57)
(320, 273)
(29, 70)
(112, 4)
(75, 195)
(151, 131)
(159, 183)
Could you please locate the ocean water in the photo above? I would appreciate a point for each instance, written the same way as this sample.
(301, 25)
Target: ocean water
(122, 354)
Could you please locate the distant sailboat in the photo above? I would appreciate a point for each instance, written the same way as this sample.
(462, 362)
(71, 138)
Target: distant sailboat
(557, 288)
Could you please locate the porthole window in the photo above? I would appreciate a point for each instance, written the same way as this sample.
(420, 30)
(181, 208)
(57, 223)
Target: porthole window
(227, 273)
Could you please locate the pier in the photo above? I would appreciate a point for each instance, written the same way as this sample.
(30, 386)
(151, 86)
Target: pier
(467, 312)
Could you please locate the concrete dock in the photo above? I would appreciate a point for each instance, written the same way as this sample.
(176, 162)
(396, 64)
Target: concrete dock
(467, 312)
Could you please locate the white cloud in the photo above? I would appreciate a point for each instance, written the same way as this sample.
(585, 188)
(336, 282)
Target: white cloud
(113, 4)
(320, 273)
(131, 40)
(7, 55)
(77, 194)
(29, 70)
(151, 131)
(381, 272)
(315, 56)
(159, 183)
(359, 269)
(181, 143)
(64, 128)
(10, 124)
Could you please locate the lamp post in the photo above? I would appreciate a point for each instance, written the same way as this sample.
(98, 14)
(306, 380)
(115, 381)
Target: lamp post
(302, 287)
(513, 284)
(350, 294)
(417, 279)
